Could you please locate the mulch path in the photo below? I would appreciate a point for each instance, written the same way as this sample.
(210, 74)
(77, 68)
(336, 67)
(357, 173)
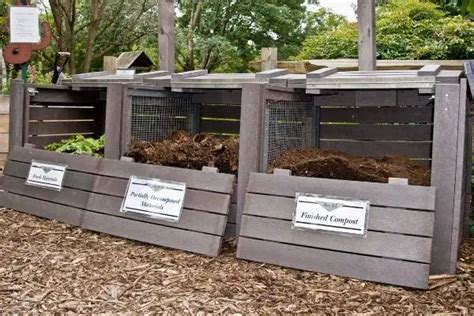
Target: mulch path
(49, 266)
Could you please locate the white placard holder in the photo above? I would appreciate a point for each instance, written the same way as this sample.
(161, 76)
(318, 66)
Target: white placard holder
(329, 214)
(46, 175)
(154, 198)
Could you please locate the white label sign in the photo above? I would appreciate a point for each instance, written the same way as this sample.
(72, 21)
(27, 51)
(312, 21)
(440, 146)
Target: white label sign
(46, 175)
(154, 198)
(331, 214)
(24, 25)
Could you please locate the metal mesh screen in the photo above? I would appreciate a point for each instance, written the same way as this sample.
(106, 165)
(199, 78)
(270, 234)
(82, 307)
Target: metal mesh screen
(155, 118)
(288, 124)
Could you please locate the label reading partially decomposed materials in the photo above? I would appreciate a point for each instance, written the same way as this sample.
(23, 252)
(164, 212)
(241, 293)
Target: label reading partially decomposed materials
(154, 198)
(46, 175)
(331, 214)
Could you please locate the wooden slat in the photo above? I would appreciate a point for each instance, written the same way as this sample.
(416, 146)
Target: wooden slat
(146, 232)
(218, 96)
(220, 111)
(44, 209)
(380, 148)
(17, 103)
(378, 115)
(220, 127)
(377, 132)
(380, 194)
(48, 128)
(113, 118)
(196, 200)
(189, 220)
(392, 220)
(52, 113)
(349, 265)
(194, 179)
(62, 97)
(379, 244)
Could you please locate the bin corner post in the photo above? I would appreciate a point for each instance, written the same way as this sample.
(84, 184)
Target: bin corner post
(113, 121)
(17, 110)
(443, 175)
(250, 139)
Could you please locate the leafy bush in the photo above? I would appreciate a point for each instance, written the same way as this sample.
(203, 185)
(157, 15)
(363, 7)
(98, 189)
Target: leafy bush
(80, 145)
(406, 29)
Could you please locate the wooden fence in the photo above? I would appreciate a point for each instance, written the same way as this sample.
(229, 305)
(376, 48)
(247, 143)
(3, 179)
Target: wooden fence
(93, 190)
(397, 249)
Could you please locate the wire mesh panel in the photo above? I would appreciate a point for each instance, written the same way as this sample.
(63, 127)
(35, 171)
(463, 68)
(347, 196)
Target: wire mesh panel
(155, 118)
(288, 124)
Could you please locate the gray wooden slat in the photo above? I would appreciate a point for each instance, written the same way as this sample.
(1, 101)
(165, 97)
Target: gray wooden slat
(443, 174)
(194, 179)
(61, 96)
(267, 74)
(376, 98)
(48, 128)
(392, 220)
(412, 97)
(159, 235)
(218, 96)
(189, 220)
(405, 132)
(220, 127)
(378, 115)
(196, 200)
(73, 162)
(321, 73)
(380, 148)
(51, 113)
(383, 270)
(45, 209)
(220, 111)
(188, 74)
(381, 194)
(68, 197)
(394, 246)
(429, 70)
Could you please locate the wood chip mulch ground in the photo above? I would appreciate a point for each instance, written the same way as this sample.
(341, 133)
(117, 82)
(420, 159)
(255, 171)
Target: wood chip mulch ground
(49, 266)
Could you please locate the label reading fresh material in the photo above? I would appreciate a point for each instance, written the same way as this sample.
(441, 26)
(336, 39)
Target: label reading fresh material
(154, 198)
(331, 214)
(46, 175)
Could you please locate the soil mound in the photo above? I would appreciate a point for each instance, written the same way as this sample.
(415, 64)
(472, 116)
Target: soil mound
(313, 162)
(188, 151)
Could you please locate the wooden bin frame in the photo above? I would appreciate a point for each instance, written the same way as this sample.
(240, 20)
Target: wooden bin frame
(451, 152)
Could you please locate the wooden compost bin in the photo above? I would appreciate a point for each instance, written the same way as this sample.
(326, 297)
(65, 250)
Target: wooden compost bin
(196, 102)
(93, 191)
(420, 114)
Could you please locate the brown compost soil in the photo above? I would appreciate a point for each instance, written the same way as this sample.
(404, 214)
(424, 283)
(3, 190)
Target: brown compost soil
(184, 150)
(313, 162)
(46, 266)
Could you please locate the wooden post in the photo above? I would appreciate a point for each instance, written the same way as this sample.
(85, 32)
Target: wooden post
(367, 45)
(17, 101)
(269, 58)
(110, 64)
(167, 36)
(113, 124)
(443, 175)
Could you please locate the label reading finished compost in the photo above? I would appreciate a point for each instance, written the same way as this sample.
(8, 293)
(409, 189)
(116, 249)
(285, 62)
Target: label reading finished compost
(154, 198)
(46, 175)
(331, 214)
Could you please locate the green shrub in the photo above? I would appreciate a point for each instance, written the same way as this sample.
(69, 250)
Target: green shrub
(80, 145)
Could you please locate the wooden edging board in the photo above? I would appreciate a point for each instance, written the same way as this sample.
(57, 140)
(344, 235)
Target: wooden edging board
(93, 190)
(396, 250)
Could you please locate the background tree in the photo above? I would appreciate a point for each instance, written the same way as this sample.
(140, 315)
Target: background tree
(406, 29)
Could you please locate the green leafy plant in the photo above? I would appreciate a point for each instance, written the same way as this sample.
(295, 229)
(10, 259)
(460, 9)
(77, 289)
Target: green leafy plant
(79, 145)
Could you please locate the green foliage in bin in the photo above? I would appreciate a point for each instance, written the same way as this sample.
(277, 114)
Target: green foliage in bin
(79, 145)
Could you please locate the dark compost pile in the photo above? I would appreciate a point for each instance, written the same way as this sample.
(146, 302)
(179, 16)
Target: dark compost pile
(313, 162)
(188, 151)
